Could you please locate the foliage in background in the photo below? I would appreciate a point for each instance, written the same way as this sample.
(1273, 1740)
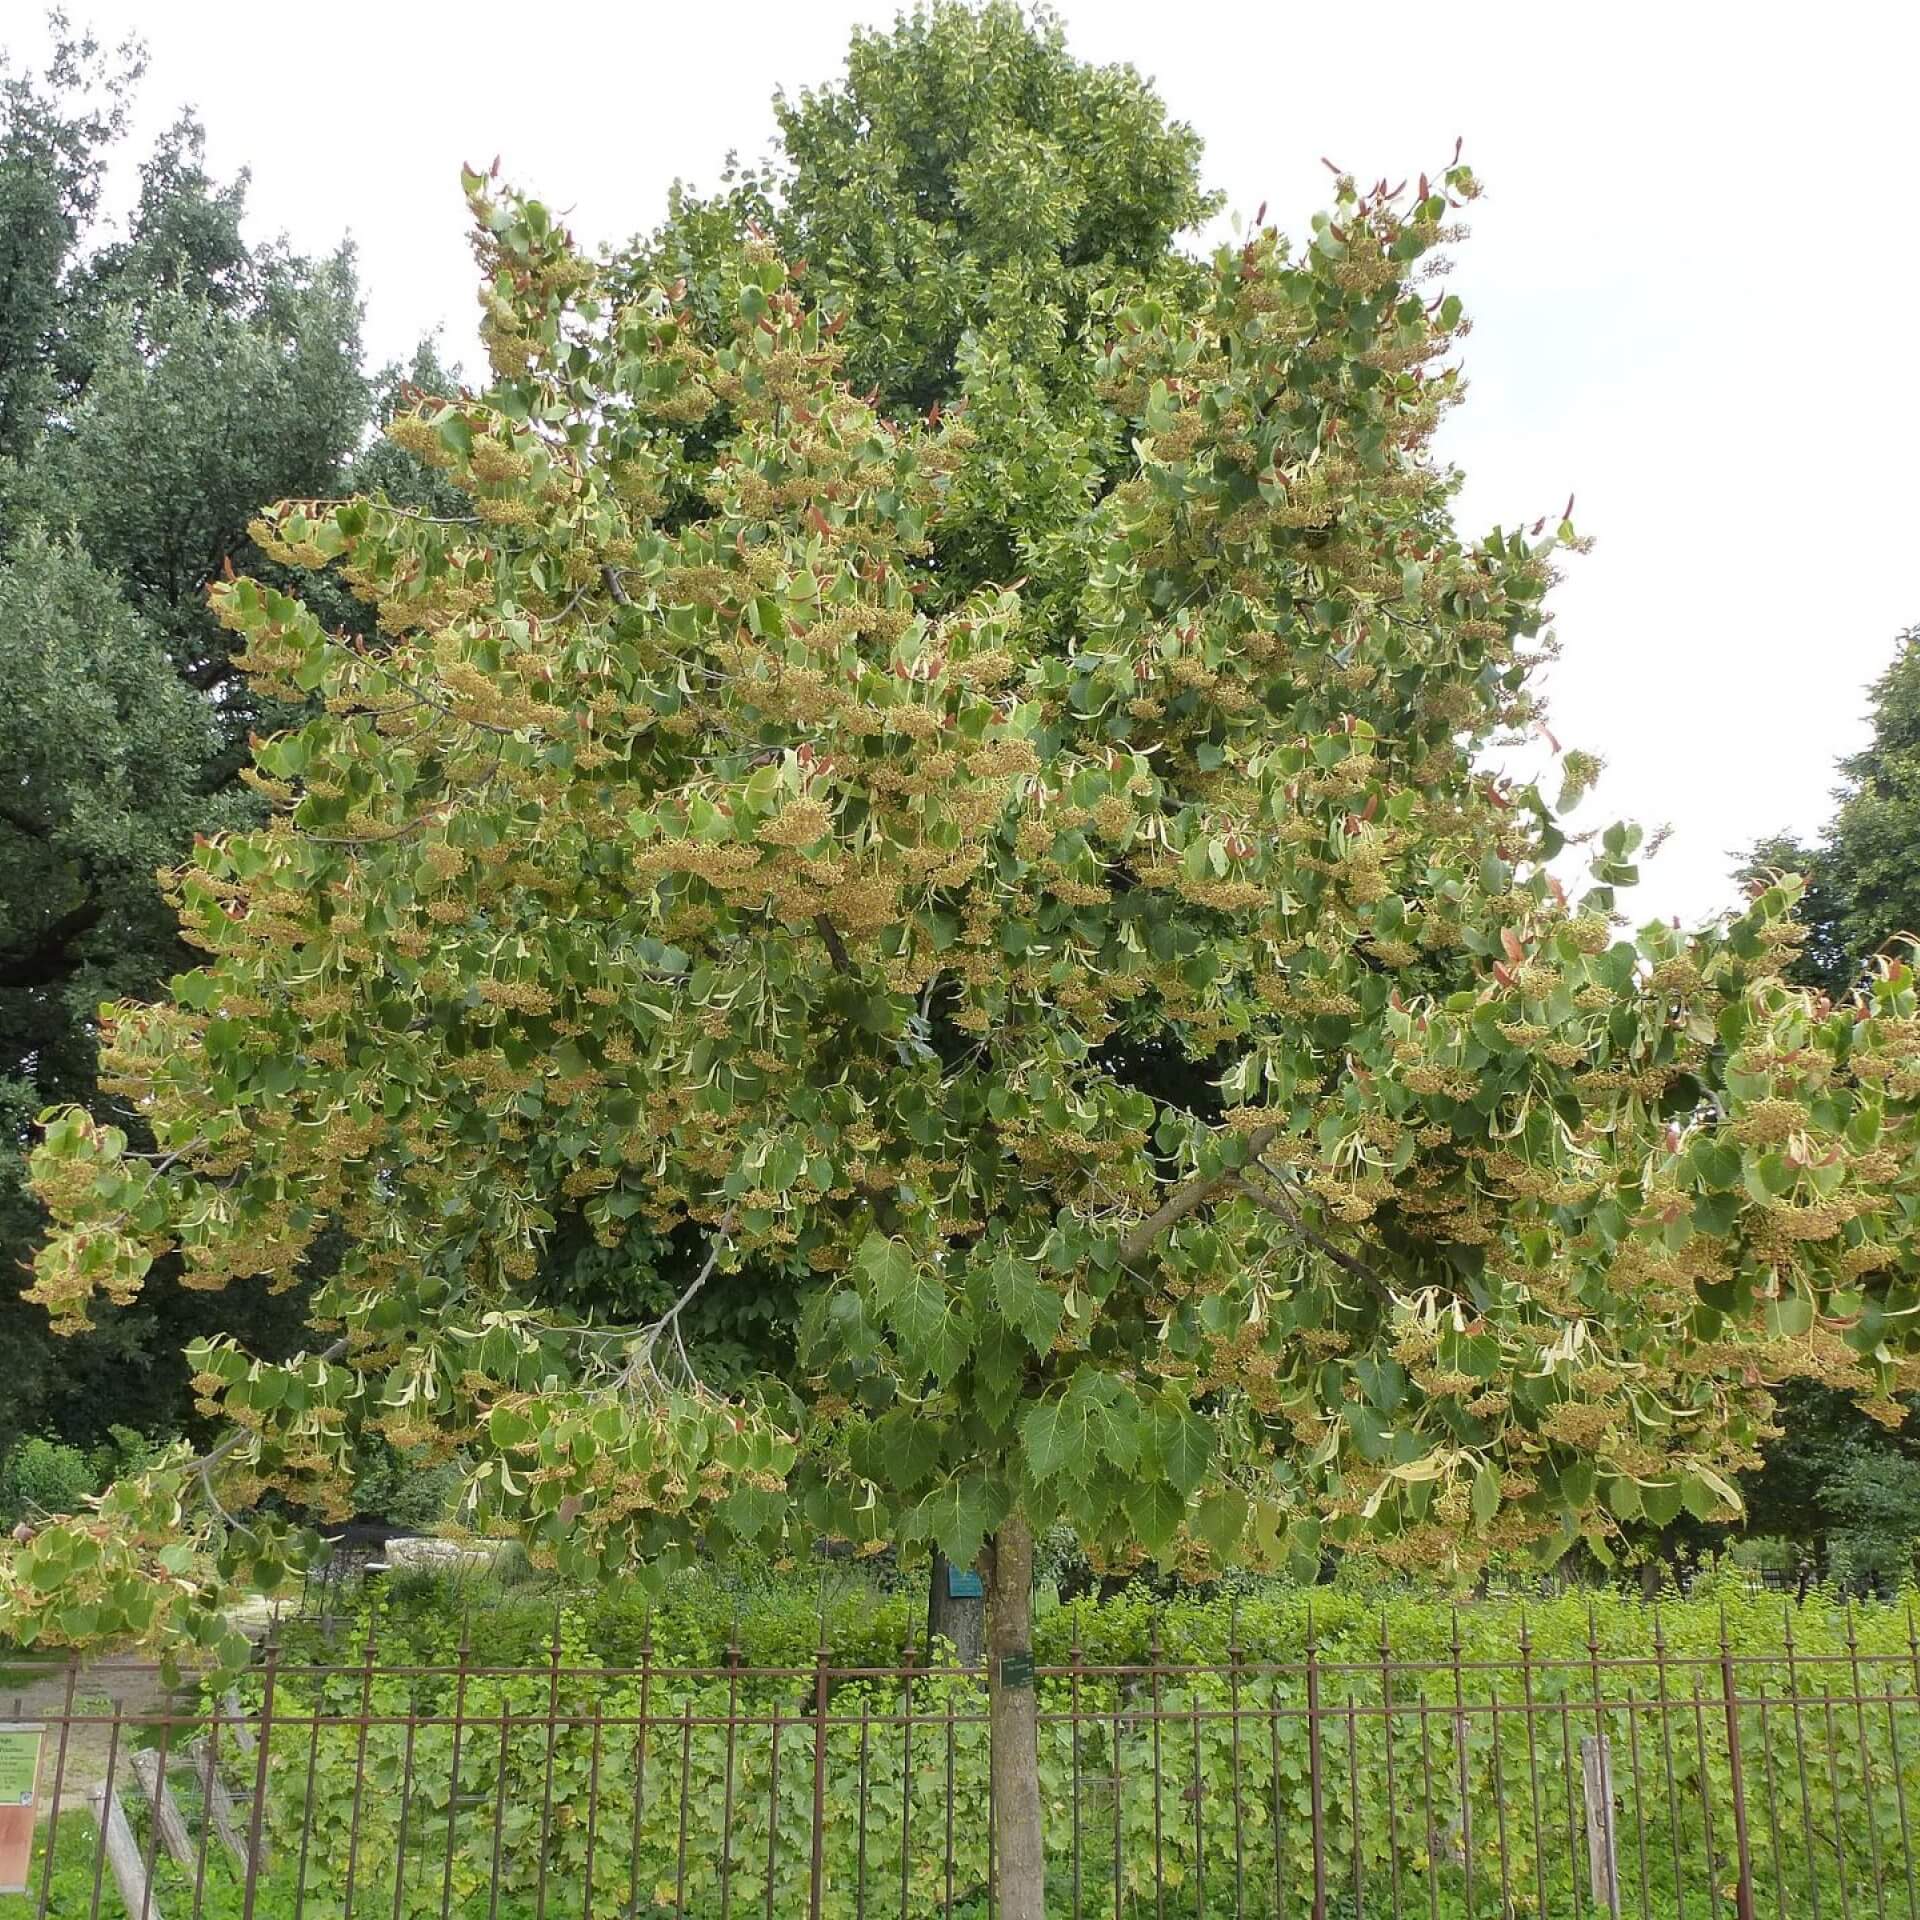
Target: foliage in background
(159, 380)
(1863, 892)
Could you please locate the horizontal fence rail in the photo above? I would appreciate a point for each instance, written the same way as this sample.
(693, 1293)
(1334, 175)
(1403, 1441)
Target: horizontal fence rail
(1707, 1782)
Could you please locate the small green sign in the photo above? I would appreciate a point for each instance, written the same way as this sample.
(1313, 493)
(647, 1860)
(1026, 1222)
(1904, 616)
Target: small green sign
(19, 1764)
(1016, 1672)
(963, 1584)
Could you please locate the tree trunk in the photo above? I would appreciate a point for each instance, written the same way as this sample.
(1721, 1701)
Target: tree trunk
(959, 1620)
(1019, 1855)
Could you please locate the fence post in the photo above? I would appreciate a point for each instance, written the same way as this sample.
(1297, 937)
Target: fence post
(1317, 1802)
(1596, 1781)
(817, 1885)
(256, 1814)
(1743, 1894)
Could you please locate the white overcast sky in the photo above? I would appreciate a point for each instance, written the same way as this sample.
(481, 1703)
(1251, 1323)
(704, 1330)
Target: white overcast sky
(1693, 278)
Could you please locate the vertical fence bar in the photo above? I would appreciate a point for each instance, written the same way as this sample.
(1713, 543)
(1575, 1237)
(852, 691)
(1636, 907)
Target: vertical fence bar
(406, 1807)
(1773, 1805)
(59, 1781)
(1119, 1796)
(1426, 1807)
(1159, 1778)
(1199, 1815)
(1707, 1825)
(1737, 1786)
(1316, 1805)
(1463, 1762)
(1239, 1800)
(817, 1876)
(1639, 1808)
(1564, 1715)
(686, 1781)
(949, 1802)
(453, 1763)
(906, 1765)
(640, 1761)
(860, 1868)
(1833, 1787)
(1386, 1723)
(206, 1759)
(1073, 1704)
(307, 1803)
(1533, 1760)
(256, 1813)
(1499, 1819)
(773, 1810)
(1353, 1800)
(1866, 1768)
(1666, 1759)
(727, 1766)
(149, 1865)
(1279, 1812)
(546, 1786)
(106, 1810)
(499, 1810)
(593, 1808)
(1900, 1799)
(359, 1766)
(1800, 1762)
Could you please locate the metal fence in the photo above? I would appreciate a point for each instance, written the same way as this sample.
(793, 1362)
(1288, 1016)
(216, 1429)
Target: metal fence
(1706, 1782)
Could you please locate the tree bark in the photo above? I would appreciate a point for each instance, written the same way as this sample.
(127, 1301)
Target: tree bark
(1013, 1724)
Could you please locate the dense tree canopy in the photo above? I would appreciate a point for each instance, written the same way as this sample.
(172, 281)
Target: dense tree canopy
(1863, 875)
(157, 381)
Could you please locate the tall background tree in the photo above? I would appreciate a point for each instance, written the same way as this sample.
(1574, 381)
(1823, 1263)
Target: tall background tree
(1845, 1486)
(161, 377)
(1863, 872)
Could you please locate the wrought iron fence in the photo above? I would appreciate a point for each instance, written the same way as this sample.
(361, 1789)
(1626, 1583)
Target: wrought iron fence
(1708, 1782)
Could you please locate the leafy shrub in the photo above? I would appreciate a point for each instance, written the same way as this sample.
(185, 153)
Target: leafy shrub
(45, 1476)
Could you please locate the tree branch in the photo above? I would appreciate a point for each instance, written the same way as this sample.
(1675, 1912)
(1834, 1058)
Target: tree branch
(836, 948)
(45, 960)
(1188, 1199)
(226, 1444)
(1277, 1202)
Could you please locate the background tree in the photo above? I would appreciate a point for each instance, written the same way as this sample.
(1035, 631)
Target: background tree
(1863, 874)
(158, 380)
(1862, 899)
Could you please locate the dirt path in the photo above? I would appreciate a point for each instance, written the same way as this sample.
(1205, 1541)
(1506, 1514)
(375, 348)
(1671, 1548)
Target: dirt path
(134, 1687)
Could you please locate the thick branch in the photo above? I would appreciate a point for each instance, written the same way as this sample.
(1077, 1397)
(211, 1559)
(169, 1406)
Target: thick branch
(46, 959)
(1275, 1201)
(1186, 1199)
(836, 947)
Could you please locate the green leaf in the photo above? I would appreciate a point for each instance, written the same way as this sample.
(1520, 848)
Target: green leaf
(1486, 1493)
(1025, 1301)
(1184, 1442)
(1220, 1519)
(1660, 1501)
(1156, 1511)
(959, 1516)
(1094, 1425)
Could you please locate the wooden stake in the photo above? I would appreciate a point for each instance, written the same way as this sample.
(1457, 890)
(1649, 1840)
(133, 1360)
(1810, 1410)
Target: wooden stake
(123, 1856)
(168, 1821)
(1596, 1780)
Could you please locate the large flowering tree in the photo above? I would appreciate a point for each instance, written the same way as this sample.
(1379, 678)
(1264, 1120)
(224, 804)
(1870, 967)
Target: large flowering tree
(695, 848)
